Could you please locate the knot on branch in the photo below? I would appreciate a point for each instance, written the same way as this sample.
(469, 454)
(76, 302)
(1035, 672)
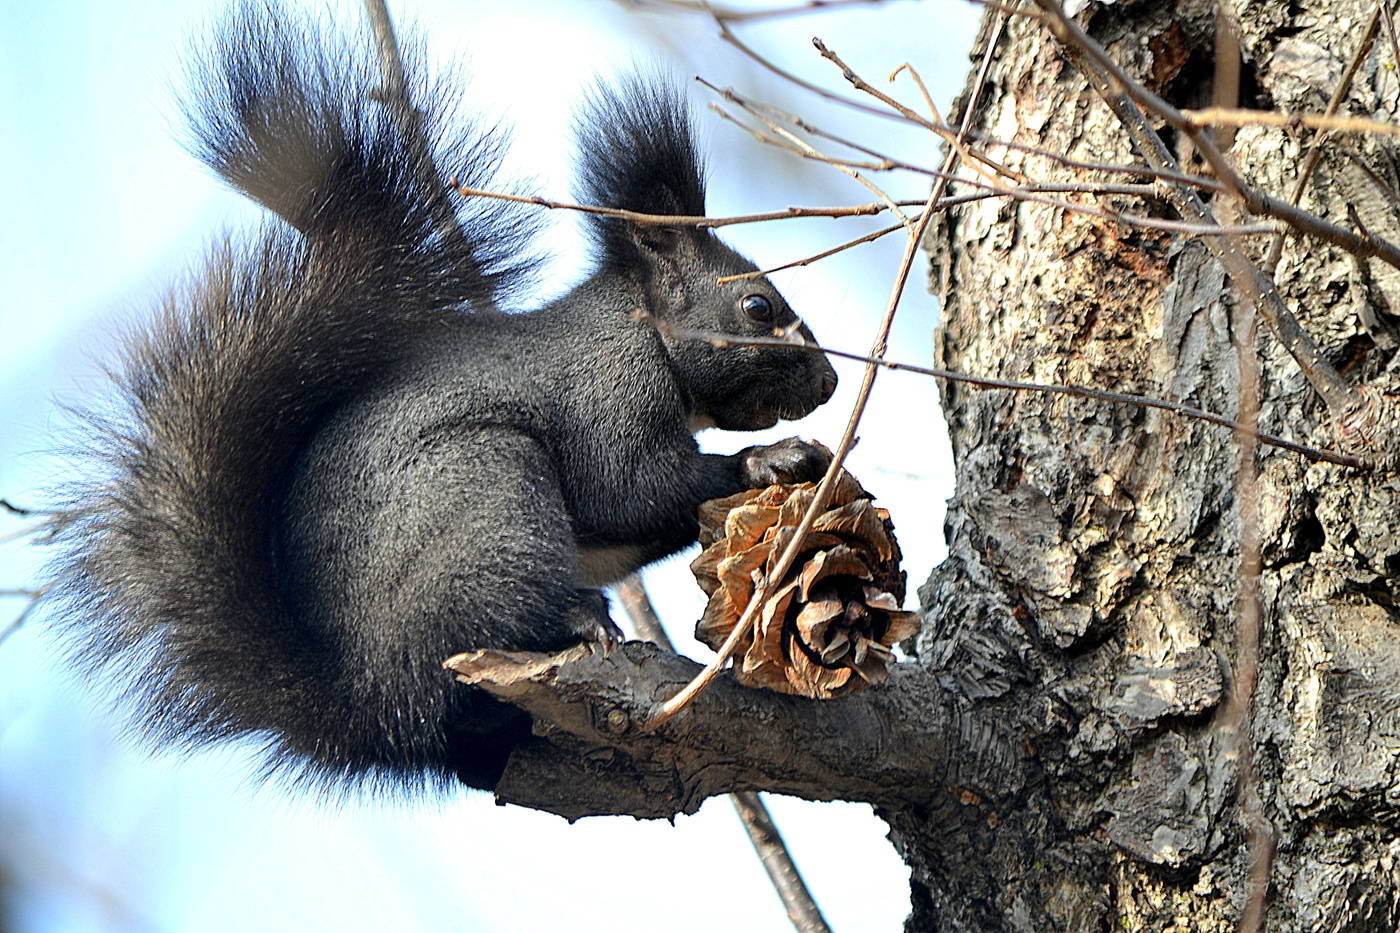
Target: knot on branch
(1370, 426)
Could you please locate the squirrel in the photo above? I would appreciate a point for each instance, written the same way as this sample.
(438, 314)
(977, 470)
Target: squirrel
(335, 463)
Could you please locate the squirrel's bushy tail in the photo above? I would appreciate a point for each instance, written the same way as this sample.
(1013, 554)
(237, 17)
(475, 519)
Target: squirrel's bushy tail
(167, 568)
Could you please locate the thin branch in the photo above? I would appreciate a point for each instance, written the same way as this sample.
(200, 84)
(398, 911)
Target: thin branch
(645, 622)
(808, 151)
(682, 220)
(1011, 8)
(1314, 156)
(410, 122)
(728, 35)
(874, 208)
(970, 157)
(1235, 718)
(822, 494)
(806, 917)
(986, 382)
(1225, 83)
(760, 273)
(797, 899)
(943, 131)
(8, 506)
(1179, 177)
(750, 16)
(1390, 32)
(35, 596)
(860, 84)
(923, 90)
(883, 163)
(943, 204)
(1218, 116)
(1257, 201)
(1027, 192)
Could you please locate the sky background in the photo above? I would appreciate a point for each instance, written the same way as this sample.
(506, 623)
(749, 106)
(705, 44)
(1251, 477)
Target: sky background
(102, 208)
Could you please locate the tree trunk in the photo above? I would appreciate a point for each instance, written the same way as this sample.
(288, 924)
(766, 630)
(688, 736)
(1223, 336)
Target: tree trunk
(1090, 591)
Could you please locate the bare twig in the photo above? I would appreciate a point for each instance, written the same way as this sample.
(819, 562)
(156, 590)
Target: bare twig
(1217, 116)
(869, 210)
(805, 149)
(410, 121)
(1078, 391)
(860, 84)
(1183, 178)
(1198, 181)
(823, 491)
(728, 35)
(797, 900)
(1389, 19)
(8, 506)
(730, 15)
(807, 127)
(759, 273)
(1236, 713)
(943, 204)
(913, 73)
(1314, 156)
(683, 220)
(1026, 192)
(1225, 84)
(970, 157)
(806, 917)
(1256, 201)
(34, 597)
(639, 608)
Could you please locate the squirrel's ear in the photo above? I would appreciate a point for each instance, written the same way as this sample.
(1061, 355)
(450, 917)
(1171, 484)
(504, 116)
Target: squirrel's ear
(663, 252)
(637, 151)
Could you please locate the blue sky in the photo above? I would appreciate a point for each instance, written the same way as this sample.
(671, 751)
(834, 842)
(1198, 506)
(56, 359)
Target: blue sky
(102, 208)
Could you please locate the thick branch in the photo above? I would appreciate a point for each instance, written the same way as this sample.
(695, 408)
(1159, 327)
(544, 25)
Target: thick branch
(903, 743)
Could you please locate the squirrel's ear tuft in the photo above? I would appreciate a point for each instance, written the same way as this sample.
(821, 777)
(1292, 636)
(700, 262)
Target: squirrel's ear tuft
(637, 152)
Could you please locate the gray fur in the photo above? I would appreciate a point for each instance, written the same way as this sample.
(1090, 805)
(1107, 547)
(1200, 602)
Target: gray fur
(330, 473)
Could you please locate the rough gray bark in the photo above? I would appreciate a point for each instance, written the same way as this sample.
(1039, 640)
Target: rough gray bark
(1089, 593)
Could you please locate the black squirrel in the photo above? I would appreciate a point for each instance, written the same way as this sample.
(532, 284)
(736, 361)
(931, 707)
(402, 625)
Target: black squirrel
(335, 464)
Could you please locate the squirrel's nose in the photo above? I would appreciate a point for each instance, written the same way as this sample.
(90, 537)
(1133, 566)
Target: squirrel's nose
(828, 384)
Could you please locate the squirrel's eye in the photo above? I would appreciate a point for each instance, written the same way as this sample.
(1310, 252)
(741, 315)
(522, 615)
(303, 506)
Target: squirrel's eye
(758, 308)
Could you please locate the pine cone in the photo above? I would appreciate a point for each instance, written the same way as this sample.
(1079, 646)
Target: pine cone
(830, 625)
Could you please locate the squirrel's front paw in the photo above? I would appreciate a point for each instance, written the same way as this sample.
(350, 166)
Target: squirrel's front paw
(590, 619)
(788, 461)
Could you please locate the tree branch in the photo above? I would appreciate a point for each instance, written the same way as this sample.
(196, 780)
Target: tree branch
(768, 843)
(904, 743)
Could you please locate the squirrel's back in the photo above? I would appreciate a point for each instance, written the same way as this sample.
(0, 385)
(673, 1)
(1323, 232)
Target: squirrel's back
(335, 463)
(168, 559)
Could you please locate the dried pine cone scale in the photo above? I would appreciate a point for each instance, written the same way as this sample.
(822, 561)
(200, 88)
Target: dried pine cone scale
(830, 625)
